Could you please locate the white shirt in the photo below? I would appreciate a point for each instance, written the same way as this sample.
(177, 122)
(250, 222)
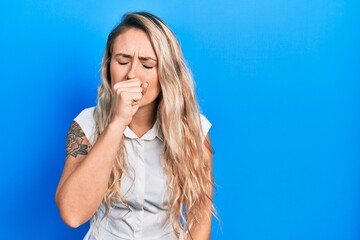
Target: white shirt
(143, 187)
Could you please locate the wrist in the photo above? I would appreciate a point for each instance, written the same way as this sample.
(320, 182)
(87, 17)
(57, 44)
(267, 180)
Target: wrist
(117, 125)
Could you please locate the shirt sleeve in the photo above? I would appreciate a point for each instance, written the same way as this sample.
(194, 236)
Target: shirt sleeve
(205, 125)
(86, 121)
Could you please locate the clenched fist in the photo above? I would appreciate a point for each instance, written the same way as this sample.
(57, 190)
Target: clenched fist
(127, 98)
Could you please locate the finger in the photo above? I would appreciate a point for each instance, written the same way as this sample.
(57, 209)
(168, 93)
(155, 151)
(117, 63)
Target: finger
(129, 97)
(133, 96)
(144, 87)
(136, 98)
(134, 103)
(128, 89)
(128, 83)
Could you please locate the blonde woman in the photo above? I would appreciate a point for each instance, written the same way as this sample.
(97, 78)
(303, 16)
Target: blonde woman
(139, 164)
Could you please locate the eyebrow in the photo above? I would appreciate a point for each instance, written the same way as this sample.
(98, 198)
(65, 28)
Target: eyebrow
(124, 55)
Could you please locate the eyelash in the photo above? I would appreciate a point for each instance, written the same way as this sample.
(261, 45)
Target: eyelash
(124, 63)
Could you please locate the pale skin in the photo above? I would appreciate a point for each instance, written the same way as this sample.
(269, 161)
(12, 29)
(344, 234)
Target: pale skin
(135, 84)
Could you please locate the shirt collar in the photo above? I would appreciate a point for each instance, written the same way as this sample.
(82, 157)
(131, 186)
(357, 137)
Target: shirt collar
(155, 131)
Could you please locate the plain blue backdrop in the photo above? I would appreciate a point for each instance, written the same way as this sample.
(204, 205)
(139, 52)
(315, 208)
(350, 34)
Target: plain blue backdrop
(279, 80)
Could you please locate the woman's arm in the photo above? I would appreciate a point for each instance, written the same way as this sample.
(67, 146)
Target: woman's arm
(202, 229)
(86, 173)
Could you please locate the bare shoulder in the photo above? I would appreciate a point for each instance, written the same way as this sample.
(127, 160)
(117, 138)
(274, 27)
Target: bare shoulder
(76, 141)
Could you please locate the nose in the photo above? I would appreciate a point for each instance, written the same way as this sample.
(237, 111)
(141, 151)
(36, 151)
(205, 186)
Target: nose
(132, 70)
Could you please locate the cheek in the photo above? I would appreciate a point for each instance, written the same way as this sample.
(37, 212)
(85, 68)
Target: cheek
(116, 73)
(154, 89)
(153, 78)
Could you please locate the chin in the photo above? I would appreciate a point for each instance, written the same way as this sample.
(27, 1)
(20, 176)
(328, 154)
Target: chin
(148, 103)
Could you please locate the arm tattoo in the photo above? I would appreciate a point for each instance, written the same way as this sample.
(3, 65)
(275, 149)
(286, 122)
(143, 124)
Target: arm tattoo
(74, 141)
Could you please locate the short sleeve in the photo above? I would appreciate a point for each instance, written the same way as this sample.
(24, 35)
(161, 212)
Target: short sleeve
(205, 125)
(86, 121)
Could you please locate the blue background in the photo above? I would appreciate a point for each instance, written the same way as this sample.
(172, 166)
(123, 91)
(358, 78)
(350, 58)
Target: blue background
(278, 79)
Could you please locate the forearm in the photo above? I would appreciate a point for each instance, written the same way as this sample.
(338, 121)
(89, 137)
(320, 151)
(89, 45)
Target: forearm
(202, 229)
(82, 192)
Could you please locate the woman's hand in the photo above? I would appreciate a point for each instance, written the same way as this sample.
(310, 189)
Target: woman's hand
(127, 98)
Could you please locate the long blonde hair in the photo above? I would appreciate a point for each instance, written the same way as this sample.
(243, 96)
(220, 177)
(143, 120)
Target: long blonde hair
(189, 177)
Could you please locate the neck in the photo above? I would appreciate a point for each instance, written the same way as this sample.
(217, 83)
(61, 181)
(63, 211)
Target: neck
(144, 119)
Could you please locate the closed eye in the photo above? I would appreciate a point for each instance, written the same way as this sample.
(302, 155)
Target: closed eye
(123, 63)
(147, 67)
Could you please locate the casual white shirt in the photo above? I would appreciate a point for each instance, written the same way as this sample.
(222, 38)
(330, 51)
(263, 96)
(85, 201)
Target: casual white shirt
(143, 187)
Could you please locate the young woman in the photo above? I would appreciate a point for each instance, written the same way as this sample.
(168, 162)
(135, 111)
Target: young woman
(139, 164)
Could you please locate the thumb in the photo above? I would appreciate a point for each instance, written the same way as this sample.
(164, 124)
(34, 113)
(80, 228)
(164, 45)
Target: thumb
(144, 86)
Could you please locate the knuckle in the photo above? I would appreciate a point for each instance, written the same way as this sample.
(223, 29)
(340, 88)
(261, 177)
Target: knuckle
(123, 94)
(118, 91)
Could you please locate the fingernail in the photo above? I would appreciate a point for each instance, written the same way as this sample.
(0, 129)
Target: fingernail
(146, 84)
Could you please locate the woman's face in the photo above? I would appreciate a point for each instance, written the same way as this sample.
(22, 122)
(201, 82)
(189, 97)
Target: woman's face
(134, 57)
